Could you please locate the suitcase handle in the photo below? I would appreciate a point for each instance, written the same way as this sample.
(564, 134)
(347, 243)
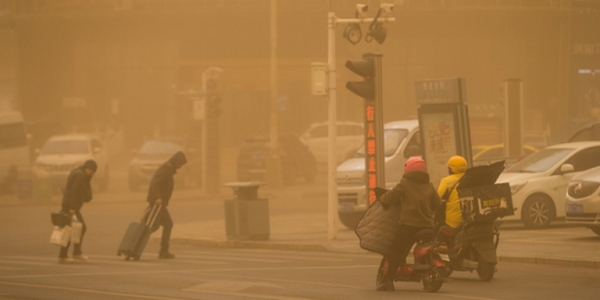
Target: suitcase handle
(152, 215)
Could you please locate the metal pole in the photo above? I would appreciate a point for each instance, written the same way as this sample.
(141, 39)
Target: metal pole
(332, 229)
(204, 133)
(274, 74)
(273, 162)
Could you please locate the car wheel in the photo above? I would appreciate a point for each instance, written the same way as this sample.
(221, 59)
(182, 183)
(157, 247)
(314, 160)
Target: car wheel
(596, 230)
(538, 212)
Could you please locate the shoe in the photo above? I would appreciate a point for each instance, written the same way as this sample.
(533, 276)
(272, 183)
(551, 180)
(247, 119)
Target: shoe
(166, 255)
(80, 257)
(386, 286)
(65, 260)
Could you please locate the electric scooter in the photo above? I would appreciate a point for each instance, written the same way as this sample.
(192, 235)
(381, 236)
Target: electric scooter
(429, 264)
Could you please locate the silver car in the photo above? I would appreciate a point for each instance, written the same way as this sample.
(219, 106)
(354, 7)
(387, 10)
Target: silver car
(582, 205)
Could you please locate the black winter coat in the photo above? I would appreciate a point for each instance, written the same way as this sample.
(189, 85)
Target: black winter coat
(416, 197)
(161, 185)
(77, 191)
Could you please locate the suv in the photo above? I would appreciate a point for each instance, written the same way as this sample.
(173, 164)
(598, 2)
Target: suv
(350, 135)
(582, 206)
(14, 151)
(63, 153)
(155, 152)
(401, 141)
(296, 160)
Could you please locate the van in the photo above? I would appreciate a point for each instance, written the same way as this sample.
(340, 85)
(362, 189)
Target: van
(401, 141)
(14, 151)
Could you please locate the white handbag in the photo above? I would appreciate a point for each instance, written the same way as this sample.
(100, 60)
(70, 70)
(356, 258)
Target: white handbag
(76, 229)
(61, 236)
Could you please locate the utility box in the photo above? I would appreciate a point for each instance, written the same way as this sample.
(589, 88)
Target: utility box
(246, 216)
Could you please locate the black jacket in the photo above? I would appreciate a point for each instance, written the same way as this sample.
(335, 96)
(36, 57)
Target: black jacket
(77, 191)
(161, 185)
(416, 197)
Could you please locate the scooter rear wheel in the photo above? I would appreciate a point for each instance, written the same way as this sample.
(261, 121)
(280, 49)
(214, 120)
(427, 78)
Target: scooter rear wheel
(434, 280)
(485, 270)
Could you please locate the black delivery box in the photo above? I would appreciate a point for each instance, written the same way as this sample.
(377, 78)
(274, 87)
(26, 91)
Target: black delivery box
(481, 199)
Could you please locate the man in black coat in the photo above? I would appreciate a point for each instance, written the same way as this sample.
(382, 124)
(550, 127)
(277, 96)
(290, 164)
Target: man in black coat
(77, 191)
(159, 192)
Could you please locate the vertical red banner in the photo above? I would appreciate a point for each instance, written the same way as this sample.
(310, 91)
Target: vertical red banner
(370, 151)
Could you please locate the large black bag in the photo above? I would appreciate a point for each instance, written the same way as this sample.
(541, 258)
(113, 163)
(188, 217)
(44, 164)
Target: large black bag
(60, 218)
(378, 228)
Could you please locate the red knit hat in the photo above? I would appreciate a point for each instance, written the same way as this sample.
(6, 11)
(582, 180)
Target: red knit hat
(414, 163)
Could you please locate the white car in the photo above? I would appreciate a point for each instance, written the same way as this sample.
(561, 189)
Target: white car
(61, 154)
(539, 182)
(583, 200)
(350, 136)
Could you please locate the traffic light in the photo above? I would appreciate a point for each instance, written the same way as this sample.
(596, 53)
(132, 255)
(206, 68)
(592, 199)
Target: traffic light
(370, 69)
(364, 68)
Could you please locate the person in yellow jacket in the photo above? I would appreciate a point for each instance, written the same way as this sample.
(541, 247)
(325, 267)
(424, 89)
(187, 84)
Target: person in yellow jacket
(457, 165)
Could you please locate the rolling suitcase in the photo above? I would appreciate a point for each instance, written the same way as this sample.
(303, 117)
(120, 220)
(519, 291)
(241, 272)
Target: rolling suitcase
(137, 234)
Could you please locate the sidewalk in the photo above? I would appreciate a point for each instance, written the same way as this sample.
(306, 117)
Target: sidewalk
(561, 245)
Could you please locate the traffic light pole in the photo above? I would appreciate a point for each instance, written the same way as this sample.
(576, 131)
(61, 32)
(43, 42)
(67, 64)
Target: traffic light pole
(332, 229)
(332, 21)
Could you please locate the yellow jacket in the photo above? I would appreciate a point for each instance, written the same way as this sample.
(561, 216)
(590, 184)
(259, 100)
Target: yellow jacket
(453, 212)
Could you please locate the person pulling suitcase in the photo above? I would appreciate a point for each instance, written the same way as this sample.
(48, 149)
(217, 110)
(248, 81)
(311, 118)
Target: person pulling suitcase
(159, 193)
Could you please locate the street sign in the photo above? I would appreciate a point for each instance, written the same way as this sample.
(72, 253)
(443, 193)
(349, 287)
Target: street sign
(441, 91)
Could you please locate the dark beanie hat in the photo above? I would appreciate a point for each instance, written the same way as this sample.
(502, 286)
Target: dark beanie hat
(90, 164)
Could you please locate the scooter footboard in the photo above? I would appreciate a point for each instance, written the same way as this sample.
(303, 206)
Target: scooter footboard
(487, 249)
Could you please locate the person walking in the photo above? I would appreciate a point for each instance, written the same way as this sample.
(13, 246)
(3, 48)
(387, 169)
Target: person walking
(417, 200)
(77, 192)
(159, 193)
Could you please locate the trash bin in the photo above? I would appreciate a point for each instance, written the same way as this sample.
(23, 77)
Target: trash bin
(246, 216)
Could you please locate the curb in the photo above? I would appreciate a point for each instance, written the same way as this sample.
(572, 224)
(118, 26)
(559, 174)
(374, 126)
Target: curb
(551, 261)
(320, 248)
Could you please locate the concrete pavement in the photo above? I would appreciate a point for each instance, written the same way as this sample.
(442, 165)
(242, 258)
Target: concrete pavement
(559, 245)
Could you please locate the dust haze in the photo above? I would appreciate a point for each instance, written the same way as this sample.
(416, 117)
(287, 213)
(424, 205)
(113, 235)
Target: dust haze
(132, 71)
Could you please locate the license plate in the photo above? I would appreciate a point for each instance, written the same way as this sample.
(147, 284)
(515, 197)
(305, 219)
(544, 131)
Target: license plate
(575, 208)
(444, 257)
(346, 206)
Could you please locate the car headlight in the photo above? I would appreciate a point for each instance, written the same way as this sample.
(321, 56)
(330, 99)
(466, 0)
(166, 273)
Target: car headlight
(514, 188)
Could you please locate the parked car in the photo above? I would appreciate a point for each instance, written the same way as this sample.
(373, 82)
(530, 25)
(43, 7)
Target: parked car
(62, 153)
(539, 182)
(589, 132)
(582, 203)
(14, 151)
(483, 155)
(401, 141)
(155, 152)
(350, 135)
(296, 160)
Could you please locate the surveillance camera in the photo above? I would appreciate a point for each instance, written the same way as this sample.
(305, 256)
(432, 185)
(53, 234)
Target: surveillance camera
(361, 9)
(387, 7)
